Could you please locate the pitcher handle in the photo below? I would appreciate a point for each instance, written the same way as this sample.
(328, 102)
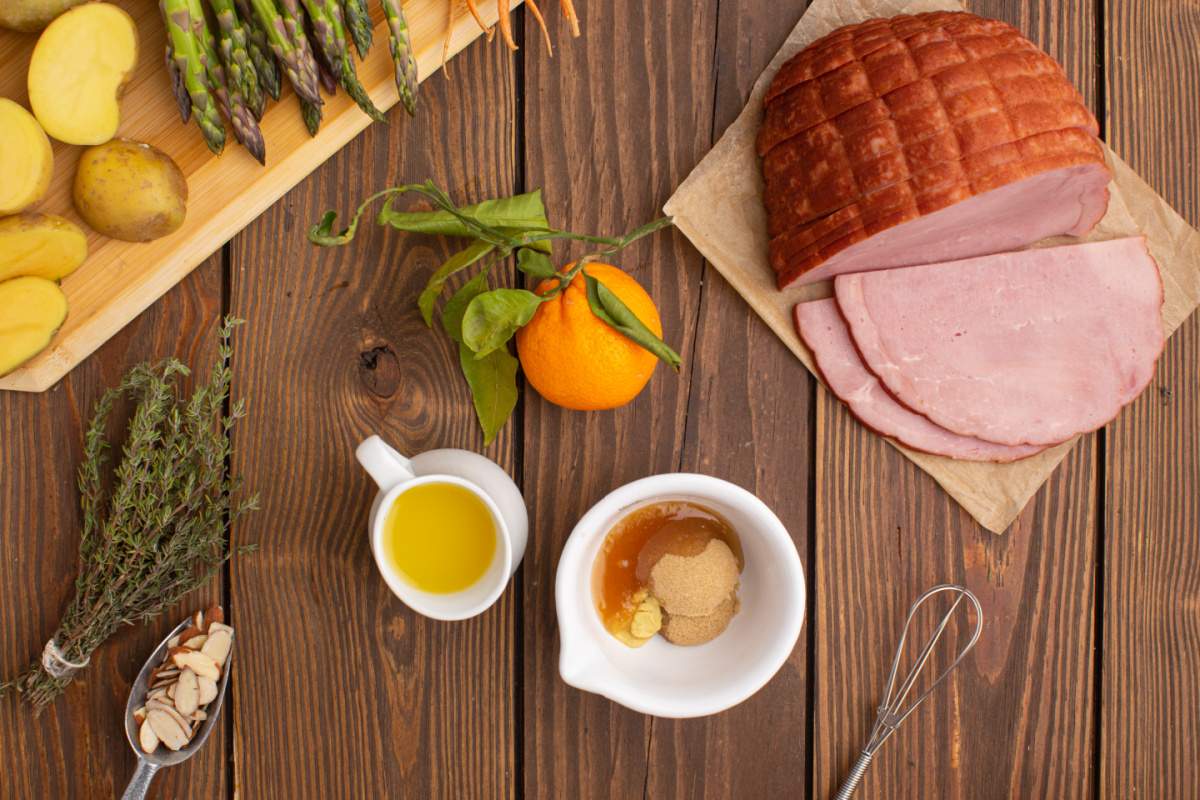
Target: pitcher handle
(386, 466)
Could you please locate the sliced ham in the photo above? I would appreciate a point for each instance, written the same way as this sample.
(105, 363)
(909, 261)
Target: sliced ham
(1031, 347)
(824, 331)
(1061, 194)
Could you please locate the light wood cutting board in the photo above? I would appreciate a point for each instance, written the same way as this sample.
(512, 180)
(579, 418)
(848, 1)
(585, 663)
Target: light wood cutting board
(120, 279)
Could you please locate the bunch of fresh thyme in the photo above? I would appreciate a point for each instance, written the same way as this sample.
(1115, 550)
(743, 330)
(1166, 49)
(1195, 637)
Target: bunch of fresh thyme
(155, 525)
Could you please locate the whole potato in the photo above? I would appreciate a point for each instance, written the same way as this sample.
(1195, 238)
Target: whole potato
(31, 15)
(130, 191)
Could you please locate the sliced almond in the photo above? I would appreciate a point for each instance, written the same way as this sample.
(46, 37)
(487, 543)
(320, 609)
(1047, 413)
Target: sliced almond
(156, 694)
(199, 715)
(217, 646)
(199, 663)
(173, 641)
(189, 634)
(139, 715)
(213, 627)
(187, 693)
(214, 614)
(198, 621)
(196, 642)
(169, 731)
(208, 690)
(147, 738)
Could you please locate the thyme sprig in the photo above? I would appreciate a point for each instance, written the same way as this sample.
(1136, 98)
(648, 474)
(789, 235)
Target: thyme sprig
(162, 529)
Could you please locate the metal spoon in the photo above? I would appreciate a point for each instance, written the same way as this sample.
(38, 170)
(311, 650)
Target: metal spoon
(149, 763)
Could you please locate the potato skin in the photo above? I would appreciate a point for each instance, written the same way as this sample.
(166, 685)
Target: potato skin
(130, 191)
(29, 16)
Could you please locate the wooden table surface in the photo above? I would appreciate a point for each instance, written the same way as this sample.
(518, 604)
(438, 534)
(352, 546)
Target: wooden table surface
(1087, 680)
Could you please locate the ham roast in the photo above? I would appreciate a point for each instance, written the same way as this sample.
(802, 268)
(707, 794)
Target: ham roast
(921, 138)
(1032, 347)
(824, 331)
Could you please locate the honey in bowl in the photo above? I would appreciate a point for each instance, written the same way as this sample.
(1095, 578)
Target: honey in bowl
(440, 537)
(670, 567)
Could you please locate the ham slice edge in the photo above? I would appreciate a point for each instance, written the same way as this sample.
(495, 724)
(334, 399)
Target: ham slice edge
(824, 331)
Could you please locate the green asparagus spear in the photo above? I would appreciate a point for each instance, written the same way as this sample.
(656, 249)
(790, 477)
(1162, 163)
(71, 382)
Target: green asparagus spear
(229, 95)
(311, 115)
(181, 94)
(326, 16)
(358, 23)
(403, 55)
(285, 33)
(186, 53)
(231, 34)
(260, 50)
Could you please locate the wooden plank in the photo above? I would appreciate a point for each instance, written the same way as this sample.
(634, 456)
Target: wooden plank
(613, 124)
(77, 747)
(120, 279)
(1016, 719)
(1150, 669)
(748, 422)
(353, 694)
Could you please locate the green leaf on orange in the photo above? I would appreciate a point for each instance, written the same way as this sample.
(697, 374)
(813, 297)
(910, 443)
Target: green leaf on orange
(613, 312)
(493, 317)
(454, 264)
(493, 382)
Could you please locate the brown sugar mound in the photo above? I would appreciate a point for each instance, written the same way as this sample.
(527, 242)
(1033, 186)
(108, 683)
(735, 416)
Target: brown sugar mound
(695, 585)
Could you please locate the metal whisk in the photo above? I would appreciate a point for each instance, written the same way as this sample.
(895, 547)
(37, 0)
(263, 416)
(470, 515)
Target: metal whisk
(892, 710)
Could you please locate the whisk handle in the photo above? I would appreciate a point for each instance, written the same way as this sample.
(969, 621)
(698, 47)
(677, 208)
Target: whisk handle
(856, 773)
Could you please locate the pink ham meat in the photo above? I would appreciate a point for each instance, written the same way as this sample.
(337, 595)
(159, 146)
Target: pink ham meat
(1031, 347)
(822, 328)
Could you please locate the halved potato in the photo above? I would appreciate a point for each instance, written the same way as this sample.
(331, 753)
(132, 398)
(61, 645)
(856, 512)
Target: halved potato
(31, 310)
(41, 245)
(79, 66)
(26, 160)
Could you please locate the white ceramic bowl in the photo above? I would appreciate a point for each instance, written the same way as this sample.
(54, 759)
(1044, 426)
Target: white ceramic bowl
(661, 678)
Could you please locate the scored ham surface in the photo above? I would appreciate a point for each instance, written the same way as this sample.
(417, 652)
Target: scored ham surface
(1031, 347)
(999, 80)
(928, 138)
(855, 42)
(824, 331)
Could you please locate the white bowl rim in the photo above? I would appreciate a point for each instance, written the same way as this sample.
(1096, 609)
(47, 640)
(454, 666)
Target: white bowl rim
(768, 661)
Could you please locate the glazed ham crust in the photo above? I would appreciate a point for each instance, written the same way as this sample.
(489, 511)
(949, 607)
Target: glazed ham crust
(881, 124)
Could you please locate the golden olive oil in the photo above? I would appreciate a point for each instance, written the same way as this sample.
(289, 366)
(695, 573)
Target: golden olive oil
(440, 537)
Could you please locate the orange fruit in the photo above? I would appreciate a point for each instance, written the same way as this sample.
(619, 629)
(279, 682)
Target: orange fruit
(573, 358)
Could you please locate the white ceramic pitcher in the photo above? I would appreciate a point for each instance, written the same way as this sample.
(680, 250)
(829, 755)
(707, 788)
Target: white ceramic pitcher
(396, 474)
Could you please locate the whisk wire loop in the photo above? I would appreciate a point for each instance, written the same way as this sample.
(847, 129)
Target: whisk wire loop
(892, 711)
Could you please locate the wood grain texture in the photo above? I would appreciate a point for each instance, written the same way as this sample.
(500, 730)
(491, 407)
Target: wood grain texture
(76, 748)
(1150, 700)
(1016, 719)
(612, 125)
(120, 279)
(354, 695)
(748, 419)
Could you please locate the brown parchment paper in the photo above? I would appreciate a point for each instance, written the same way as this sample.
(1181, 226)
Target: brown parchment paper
(719, 208)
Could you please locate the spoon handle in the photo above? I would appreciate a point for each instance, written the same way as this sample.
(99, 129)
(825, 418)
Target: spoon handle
(139, 784)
